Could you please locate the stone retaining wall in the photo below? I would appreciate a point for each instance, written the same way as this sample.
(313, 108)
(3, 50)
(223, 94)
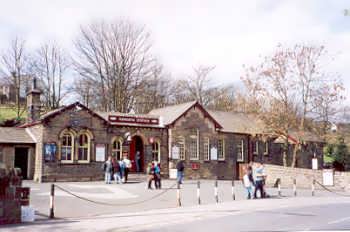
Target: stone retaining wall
(303, 177)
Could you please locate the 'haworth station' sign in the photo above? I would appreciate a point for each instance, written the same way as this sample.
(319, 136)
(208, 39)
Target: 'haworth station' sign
(132, 120)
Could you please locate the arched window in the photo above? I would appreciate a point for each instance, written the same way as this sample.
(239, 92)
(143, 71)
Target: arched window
(156, 151)
(84, 141)
(117, 144)
(67, 146)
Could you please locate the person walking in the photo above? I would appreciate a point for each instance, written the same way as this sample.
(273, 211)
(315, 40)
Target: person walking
(116, 171)
(248, 183)
(137, 161)
(127, 167)
(108, 169)
(122, 170)
(157, 177)
(150, 173)
(180, 166)
(259, 180)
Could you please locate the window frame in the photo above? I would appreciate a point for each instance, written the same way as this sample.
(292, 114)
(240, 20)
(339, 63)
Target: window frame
(72, 146)
(266, 148)
(241, 146)
(191, 145)
(88, 146)
(256, 147)
(182, 150)
(206, 151)
(117, 140)
(223, 150)
(157, 151)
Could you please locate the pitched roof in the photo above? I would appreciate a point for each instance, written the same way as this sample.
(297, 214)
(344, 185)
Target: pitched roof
(14, 135)
(238, 122)
(55, 112)
(170, 113)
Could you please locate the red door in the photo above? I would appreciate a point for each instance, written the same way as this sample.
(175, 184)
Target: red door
(136, 145)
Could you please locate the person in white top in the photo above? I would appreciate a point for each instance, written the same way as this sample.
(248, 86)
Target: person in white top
(247, 183)
(127, 163)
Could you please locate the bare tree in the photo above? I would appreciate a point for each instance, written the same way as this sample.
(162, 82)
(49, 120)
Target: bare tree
(117, 57)
(50, 64)
(14, 66)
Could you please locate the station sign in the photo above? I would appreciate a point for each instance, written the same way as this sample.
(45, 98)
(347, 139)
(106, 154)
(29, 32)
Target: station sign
(133, 120)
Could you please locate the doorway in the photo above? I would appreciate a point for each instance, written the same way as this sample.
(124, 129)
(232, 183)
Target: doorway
(21, 160)
(136, 145)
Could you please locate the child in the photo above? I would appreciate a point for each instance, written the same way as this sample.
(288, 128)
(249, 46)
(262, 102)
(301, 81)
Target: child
(248, 184)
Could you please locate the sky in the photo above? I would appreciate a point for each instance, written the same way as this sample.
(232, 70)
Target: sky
(188, 33)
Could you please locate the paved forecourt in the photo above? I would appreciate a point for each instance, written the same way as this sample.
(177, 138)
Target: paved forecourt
(134, 197)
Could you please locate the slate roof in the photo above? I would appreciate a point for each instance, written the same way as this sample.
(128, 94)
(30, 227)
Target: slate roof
(14, 135)
(238, 122)
(170, 113)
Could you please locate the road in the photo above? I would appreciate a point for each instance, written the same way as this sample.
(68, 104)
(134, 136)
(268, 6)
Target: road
(284, 214)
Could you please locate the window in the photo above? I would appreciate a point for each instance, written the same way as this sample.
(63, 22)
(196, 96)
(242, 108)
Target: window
(256, 147)
(67, 147)
(206, 149)
(240, 151)
(266, 148)
(84, 148)
(193, 145)
(156, 151)
(181, 145)
(117, 145)
(221, 149)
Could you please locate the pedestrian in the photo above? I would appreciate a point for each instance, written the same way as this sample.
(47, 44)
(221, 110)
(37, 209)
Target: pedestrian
(157, 177)
(259, 180)
(116, 171)
(122, 170)
(180, 171)
(127, 167)
(150, 173)
(108, 169)
(137, 161)
(248, 183)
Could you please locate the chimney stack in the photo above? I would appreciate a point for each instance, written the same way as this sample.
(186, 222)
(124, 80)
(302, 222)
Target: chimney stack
(33, 103)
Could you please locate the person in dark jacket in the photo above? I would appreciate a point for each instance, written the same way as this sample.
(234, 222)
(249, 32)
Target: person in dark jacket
(180, 166)
(116, 171)
(157, 178)
(108, 169)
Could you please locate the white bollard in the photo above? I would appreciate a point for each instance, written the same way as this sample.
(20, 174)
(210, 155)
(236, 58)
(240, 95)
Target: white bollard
(216, 192)
(198, 192)
(295, 187)
(178, 196)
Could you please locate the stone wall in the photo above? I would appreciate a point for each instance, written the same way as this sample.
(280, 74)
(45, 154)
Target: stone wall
(209, 169)
(303, 177)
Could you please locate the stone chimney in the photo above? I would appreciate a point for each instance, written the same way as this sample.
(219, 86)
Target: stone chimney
(33, 103)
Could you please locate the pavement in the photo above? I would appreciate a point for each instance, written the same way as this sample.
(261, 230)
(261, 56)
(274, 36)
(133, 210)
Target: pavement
(134, 208)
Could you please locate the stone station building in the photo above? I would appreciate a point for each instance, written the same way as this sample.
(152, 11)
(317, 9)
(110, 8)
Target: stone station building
(72, 142)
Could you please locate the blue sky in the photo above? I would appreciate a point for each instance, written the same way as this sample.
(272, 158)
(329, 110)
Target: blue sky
(187, 33)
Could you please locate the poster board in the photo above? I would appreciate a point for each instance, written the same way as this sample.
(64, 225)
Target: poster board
(213, 153)
(314, 163)
(50, 150)
(175, 152)
(328, 177)
(100, 152)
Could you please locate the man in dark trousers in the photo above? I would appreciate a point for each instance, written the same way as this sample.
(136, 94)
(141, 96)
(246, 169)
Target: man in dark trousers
(259, 180)
(180, 166)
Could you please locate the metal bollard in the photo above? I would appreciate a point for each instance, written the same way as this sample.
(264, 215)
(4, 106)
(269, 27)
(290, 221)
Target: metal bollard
(198, 192)
(178, 196)
(52, 198)
(313, 187)
(216, 192)
(279, 188)
(295, 187)
(233, 190)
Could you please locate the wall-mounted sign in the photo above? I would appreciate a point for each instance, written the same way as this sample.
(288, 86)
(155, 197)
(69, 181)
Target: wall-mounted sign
(175, 152)
(213, 153)
(100, 152)
(328, 177)
(50, 152)
(130, 119)
(314, 163)
(195, 166)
